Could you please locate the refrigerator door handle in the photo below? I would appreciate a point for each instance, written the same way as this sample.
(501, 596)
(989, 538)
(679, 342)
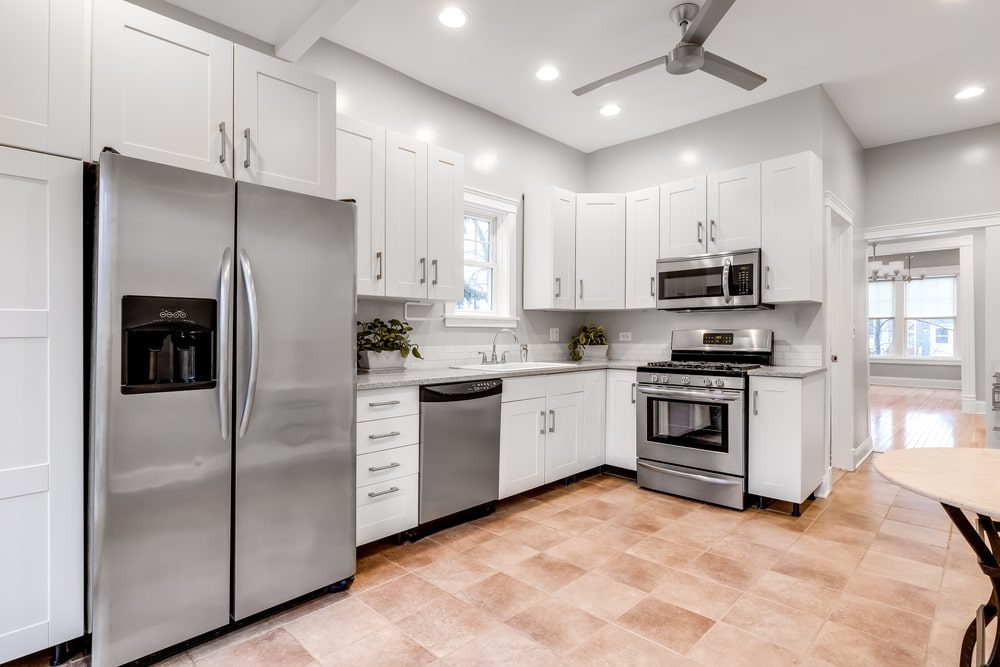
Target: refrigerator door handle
(224, 339)
(254, 341)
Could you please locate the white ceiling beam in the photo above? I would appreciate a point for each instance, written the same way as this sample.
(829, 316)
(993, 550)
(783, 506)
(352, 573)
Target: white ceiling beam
(308, 32)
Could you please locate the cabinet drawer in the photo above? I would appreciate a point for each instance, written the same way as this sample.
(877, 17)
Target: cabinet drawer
(387, 508)
(564, 383)
(520, 389)
(382, 403)
(388, 464)
(381, 434)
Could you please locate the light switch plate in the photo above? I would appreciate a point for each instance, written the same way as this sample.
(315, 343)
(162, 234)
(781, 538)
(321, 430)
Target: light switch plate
(624, 336)
(553, 335)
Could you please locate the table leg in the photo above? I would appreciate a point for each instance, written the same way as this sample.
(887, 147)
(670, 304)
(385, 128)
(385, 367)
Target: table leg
(987, 556)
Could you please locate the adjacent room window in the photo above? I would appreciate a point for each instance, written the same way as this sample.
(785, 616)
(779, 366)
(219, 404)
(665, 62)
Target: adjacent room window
(881, 323)
(914, 320)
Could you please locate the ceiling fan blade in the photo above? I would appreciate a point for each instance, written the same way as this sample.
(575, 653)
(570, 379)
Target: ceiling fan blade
(704, 23)
(618, 76)
(729, 71)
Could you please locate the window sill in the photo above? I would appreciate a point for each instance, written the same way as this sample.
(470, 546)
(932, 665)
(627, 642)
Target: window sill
(915, 361)
(480, 321)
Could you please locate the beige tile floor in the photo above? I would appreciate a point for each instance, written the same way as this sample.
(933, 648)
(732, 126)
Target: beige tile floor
(601, 572)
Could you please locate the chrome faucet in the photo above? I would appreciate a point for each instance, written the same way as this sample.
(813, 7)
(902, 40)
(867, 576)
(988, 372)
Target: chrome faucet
(493, 357)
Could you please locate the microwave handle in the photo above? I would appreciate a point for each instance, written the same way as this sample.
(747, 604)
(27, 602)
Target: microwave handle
(727, 266)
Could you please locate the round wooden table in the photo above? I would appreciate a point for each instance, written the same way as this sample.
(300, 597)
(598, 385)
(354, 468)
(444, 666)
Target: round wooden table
(960, 479)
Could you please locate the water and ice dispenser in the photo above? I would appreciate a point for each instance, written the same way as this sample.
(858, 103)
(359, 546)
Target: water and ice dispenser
(168, 344)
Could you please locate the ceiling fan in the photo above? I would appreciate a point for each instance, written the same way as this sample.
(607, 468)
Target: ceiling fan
(689, 55)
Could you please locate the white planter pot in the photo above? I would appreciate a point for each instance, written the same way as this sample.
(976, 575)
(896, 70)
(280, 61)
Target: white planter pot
(380, 362)
(595, 353)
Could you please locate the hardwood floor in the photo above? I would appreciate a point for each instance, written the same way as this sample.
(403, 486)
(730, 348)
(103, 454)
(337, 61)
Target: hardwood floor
(908, 417)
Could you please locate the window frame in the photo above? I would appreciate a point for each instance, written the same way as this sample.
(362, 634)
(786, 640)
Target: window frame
(900, 322)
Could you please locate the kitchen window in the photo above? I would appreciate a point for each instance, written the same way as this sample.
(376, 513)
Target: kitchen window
(489, 251)
(914, 321)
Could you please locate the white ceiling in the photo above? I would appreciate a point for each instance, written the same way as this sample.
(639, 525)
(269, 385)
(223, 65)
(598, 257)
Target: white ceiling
(891, 66)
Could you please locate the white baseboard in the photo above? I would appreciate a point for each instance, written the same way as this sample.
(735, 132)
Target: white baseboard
(921, 383)
(862, 452)
(826, 485)
(971, 406)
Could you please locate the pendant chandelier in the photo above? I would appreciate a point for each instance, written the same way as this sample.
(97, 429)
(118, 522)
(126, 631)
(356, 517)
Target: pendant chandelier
(890, 271)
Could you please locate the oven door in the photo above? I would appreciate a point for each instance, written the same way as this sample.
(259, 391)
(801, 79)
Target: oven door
(730, 280)
(697, 428)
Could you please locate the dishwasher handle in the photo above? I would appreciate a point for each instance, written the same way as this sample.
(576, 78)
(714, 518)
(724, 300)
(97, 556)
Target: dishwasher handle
(460, 391)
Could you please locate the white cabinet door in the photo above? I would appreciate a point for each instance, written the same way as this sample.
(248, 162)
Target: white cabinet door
(162, 90)
(592, 437)
(642, 247)
(682, 218)
(563, 280)
(522, 445)
(600, 251)
(792, 228)
(550, 249)
(563, 435)
(387, 508)
(775, 438)
(361, 177)
(445, 213)
(734, 209)
(286, 125)
(43, 67)
(41, 402)
(621, 427)
(405, 216)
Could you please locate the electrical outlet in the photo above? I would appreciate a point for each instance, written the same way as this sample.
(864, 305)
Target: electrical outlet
(553, 335)
(624, 336)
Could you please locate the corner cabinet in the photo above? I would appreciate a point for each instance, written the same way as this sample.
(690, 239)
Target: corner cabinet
(642, 247)
(792, 229)
(361, 177)
(621, 424)
(600, 251)
(550, 250)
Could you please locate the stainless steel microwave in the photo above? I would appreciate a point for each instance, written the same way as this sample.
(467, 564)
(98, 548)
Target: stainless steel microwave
(710, 282)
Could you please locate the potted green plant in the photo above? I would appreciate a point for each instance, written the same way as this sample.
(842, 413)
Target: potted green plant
(590, 343)
(384, 346)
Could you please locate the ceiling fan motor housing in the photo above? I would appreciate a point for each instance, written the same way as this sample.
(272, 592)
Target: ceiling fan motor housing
(685, 58)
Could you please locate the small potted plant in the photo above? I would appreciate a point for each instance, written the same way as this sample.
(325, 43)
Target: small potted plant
(384, 346)
(590, 343)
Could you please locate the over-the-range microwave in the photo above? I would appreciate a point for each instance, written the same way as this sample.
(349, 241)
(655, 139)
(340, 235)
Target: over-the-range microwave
(719, 281)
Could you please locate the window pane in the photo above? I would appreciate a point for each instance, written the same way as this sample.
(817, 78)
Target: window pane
(931, 297)
(880, 333)
(478, 290)
(930, 338)
(478, 239)
(880, 301)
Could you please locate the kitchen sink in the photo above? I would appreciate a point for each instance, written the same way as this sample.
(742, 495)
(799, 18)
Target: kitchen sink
(514, 366)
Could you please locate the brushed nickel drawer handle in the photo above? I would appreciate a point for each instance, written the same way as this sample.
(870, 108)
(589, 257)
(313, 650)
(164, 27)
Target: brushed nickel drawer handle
(222, 149)
(380, 436)
(382, 404)
(246, 142)
(388, 467)
(376, 494)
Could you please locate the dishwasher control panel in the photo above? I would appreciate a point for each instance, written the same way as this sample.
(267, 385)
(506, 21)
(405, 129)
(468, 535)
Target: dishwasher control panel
(458, 390)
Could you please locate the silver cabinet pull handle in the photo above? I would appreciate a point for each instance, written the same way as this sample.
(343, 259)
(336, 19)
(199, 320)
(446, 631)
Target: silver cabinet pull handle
(224, 353)
(378, 258)
(558, 287)
(727, 267)
(581, 288)
(434, 265)
(423, 270)
(248, 284)
(633, 393)
(652, 286)
(755, 402)
(385, 467)
(542, 430)
(701, 226)
(222, 145)
(382, 404)
(376, 494)
(382, 436)
(246, 141)
(552, 414)
(767, 277)
(711, 230)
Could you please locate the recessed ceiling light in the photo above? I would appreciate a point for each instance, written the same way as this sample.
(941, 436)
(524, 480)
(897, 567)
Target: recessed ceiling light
(610, 110)
(425, 134)
(453, 17)
(971, 91)
(548, 73)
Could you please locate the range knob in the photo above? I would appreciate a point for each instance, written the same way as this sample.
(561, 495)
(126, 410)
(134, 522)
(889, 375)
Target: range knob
(719, 382)
(708, 382)
(685, 380)
(652, 378)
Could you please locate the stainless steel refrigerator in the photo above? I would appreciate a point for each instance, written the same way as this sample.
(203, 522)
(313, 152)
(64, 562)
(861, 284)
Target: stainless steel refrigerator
(222, 468)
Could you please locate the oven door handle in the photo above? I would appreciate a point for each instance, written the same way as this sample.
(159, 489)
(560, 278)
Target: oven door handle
(689, 475)
(712, 395)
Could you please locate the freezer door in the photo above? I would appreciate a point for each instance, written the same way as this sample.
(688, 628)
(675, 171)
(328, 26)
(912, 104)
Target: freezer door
(160, 460)
(294, 413)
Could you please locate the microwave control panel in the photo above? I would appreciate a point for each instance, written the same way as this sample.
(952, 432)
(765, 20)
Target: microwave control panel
(741, 280)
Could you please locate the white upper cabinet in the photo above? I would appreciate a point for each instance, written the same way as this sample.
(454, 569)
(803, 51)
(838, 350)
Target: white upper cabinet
(550, 249)
(43, 67)
(445, 214)
(734, 209)
(361, 177)
(406, 267)
(683, 230)
(600, 251)
(286, 121)
(620, 416)
(642, 247)
(792, 228)
(162, 90)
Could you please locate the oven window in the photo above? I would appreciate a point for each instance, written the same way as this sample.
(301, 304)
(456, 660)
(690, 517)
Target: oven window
(688, 424)
(691, 283)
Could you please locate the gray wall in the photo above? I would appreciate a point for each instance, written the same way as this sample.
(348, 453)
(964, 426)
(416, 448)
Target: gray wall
(916, 372)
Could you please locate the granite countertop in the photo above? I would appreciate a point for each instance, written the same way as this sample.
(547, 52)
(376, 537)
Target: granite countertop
(787, 371)
(412, 378)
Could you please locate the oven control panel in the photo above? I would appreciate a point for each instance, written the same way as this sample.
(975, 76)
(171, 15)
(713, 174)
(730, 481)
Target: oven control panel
(691, 381)
(717, 339)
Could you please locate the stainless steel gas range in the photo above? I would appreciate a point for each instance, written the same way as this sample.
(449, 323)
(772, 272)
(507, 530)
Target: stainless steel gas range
(691, 416)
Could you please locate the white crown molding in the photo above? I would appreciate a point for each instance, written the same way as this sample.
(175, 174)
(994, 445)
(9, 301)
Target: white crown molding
(940, 225)
(838, 205)
(491, 200)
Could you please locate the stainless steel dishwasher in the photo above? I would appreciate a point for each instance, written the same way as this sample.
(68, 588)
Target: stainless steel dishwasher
(459, 447)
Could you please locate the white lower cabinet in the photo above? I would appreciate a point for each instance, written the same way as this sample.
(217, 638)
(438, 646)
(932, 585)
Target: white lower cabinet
(786, 437)
(387, 508)
(563, 436)
(592, 438)
(620, 416)
(523, 426)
